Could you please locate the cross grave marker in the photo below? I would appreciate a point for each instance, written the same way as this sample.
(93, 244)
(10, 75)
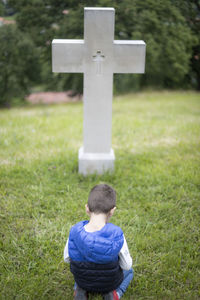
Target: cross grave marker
(98, 56)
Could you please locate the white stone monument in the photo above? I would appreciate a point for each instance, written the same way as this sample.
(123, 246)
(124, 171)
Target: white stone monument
(98, 56)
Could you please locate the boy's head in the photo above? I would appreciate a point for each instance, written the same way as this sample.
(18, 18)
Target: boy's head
(102, 199)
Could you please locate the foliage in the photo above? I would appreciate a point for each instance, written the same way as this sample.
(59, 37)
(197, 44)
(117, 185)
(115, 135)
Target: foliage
(169, 50)
(2, 8)
(161, 24)
(191, 11)
(157, 175)
(19, 66)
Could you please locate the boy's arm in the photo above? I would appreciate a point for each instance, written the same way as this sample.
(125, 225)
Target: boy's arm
(125, 260)
(66, 253)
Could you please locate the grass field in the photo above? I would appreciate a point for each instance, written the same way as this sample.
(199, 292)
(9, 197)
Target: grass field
(156, 138)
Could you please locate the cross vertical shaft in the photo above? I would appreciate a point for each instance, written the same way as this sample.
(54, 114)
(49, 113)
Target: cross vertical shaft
(98, 36)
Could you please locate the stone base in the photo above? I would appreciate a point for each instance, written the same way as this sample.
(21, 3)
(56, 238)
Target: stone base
(91, 163)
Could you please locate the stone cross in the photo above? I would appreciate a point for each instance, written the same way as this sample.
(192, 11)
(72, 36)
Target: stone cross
(98, 56)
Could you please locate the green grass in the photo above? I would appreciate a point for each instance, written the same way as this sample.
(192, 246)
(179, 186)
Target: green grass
(156, 138)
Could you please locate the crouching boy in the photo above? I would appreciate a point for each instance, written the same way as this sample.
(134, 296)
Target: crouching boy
(97, 250)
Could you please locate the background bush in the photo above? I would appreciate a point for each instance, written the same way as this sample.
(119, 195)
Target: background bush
(19, 63)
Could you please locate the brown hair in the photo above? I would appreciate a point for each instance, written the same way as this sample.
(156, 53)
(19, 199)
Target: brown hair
(102, 199)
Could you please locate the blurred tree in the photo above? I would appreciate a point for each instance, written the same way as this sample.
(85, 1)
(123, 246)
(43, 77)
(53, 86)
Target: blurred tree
(168, 37)
(161, 24)
(191, 12)
(2, 8)
(19, 66)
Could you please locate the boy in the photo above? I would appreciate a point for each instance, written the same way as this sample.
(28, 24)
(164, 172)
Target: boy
(97, 250)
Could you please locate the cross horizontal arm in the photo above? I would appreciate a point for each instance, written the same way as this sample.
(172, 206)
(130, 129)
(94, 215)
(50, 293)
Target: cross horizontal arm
(129, 56)
(67, 56)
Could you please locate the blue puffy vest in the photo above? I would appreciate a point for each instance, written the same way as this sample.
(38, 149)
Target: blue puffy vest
(94, 259)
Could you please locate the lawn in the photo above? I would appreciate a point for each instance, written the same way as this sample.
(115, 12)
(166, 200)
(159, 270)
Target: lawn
(156, 138)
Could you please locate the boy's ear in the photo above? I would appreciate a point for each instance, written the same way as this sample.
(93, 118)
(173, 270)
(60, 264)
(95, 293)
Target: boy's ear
(87, 210)
(112, 211)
